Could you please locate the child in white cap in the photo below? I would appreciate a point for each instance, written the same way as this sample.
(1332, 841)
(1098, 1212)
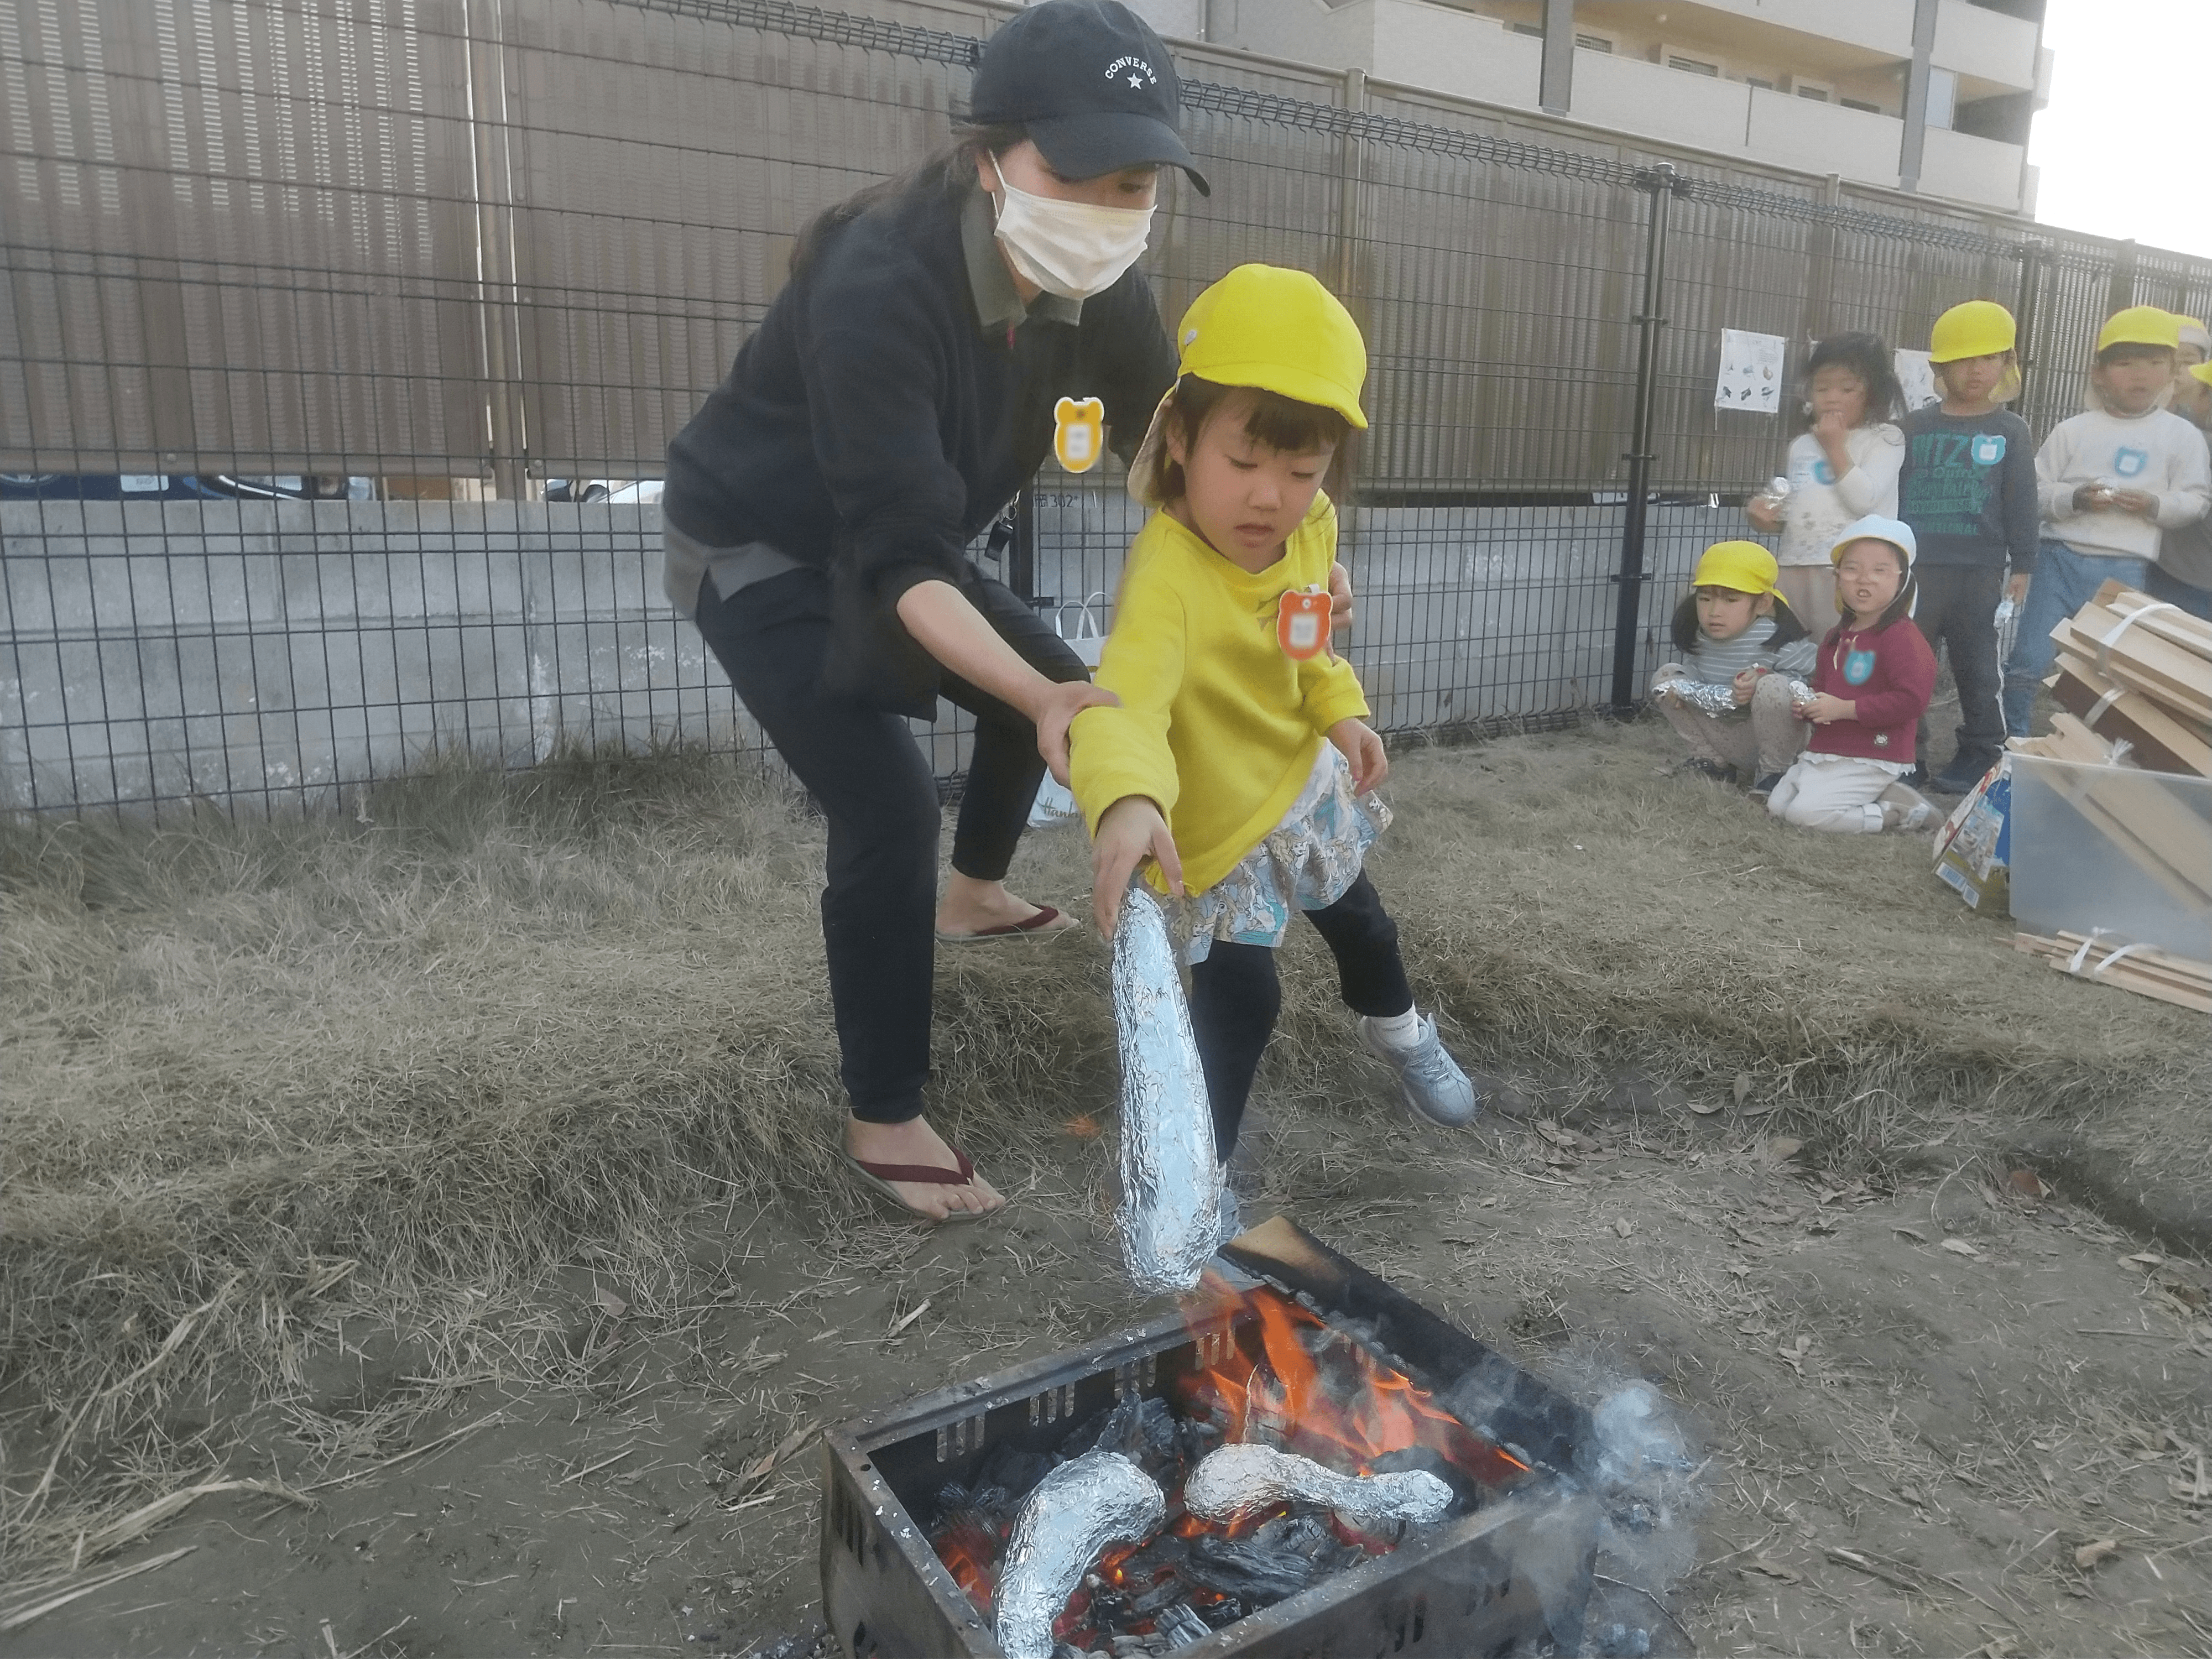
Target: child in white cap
(1871, 681)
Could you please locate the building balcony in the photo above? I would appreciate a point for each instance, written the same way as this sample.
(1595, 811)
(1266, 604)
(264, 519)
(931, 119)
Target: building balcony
(1983, 171)
(1412, 42)
(1985, 46)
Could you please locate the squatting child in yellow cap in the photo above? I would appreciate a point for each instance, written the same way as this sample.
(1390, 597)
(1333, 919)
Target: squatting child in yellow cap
(1240, 760)
(2110, 480)
(1968, 491)
(1733, 629)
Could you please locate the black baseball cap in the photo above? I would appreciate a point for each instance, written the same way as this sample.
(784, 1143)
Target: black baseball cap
(1091, 83)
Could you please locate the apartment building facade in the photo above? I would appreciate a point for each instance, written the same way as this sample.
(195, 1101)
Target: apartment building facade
(1931, 96)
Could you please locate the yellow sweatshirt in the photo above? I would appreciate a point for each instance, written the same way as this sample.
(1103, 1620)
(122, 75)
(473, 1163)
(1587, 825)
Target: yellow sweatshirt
(1215, 725)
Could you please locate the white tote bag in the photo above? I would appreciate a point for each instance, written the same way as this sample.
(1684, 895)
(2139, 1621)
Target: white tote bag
(1053, 803)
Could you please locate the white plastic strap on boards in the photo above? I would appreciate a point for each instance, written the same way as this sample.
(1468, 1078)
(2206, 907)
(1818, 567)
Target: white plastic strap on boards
(2074, 965)
(2105, 645)
(2098, 707)
(2114, 957)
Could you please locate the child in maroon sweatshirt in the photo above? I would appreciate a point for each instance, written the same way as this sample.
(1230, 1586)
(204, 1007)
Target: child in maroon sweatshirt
(1871, 681)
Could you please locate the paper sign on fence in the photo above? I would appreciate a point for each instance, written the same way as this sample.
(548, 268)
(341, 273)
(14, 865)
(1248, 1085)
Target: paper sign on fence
(1917, 376)
(1751, 372)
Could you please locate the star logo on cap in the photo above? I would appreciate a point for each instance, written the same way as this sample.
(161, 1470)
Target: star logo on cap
(1137, 82)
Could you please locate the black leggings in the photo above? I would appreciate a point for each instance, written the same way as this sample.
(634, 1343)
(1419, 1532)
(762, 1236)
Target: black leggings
(867, 773)
(1235, 997)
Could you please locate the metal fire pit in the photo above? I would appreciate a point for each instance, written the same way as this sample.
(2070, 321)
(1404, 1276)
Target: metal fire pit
(1514, 1577)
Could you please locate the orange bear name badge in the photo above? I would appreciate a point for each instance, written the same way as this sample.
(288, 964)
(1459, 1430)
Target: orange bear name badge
(1302, 622)
(1079, 436)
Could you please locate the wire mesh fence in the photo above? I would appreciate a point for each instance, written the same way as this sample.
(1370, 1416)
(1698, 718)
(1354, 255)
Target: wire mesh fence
(320, 321)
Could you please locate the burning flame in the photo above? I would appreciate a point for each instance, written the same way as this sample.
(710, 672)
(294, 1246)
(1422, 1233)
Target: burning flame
(1285, 1397)
(969, 1553)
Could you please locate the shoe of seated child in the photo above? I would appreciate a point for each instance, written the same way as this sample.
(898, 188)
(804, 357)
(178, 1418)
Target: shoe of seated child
(1699, 766)
(1765, 786)
(1429, 1081)
(1916, 813)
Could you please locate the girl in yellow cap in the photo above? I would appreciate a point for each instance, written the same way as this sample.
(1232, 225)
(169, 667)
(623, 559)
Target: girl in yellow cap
(1240, 753)
(1727, 694)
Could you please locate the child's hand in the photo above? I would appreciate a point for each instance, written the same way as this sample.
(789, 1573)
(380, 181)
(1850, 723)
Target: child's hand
(2016, 588)
(1745, 683)
(2093, 498)
(1762, 514)
(1340, 600)
(1825, 710)
(1370, 763)
(1829, 431)
(1129, 831)
(2141, 502)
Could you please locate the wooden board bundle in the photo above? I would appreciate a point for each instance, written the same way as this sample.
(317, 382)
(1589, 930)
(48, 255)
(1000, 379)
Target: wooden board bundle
(2158, 739)
(2135, 669)
(2135, 968)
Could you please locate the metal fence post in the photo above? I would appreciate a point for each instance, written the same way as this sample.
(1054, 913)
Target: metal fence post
(2033, 253)
(1662, 184)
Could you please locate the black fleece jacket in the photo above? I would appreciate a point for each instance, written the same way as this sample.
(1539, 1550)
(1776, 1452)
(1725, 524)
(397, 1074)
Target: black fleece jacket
(872, 427)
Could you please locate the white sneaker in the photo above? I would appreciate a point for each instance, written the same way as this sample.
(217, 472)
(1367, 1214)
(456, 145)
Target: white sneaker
(1429, 1079)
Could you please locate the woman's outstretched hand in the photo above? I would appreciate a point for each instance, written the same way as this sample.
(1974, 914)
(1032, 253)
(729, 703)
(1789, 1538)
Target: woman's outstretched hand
(1357, 741)
(1055, 709)
(1131, 830)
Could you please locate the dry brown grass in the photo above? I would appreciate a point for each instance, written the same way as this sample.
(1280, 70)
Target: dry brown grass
(402, 1072)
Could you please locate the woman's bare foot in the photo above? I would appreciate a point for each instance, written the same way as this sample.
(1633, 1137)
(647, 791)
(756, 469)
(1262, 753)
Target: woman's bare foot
(970, 906)
(914, 1142)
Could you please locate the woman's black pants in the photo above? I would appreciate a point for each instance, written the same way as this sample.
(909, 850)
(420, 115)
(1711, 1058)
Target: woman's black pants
(1235, 997)
(867, 773)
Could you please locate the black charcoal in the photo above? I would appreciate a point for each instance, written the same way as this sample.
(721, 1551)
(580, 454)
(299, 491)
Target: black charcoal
(1182, 1626)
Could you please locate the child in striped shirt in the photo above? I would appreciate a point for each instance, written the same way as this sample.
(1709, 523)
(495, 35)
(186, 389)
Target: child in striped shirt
(1734, 629)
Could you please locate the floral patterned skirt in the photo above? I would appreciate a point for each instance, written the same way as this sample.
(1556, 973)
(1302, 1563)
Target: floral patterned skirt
(1305, 863)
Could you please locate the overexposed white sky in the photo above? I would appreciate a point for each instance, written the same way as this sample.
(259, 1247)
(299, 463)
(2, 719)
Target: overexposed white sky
(2125, 147)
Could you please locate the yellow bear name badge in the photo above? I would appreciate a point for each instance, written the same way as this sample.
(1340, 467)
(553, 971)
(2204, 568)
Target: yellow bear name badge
(1080, 433)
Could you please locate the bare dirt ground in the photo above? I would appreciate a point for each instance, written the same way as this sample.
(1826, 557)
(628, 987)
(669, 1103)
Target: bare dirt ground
(1740, 1144)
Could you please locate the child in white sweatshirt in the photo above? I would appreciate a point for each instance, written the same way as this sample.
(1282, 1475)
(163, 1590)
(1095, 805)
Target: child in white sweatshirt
(2110, 482)
(1843, 467)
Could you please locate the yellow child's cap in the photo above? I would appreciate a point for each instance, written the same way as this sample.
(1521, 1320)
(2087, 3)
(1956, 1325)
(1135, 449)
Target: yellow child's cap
(1266, 327)
(1281, 331)
(2202, 371)
(2141, 325)
(1979, 328)
(1744, 566)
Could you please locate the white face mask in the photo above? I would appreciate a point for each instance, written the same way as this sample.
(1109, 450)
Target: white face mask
(1068, 248)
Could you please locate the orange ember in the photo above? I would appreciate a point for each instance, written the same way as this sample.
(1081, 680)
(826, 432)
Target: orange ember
(968, 1553)
(1282, 1395)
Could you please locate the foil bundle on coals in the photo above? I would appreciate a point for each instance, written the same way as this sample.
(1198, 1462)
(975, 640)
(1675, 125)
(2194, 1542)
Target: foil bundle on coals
(1237, 1483)
(1077, 1510)
(1170, 1211)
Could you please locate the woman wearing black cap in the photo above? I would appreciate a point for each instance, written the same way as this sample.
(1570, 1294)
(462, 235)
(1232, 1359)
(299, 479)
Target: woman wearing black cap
(899, 393)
